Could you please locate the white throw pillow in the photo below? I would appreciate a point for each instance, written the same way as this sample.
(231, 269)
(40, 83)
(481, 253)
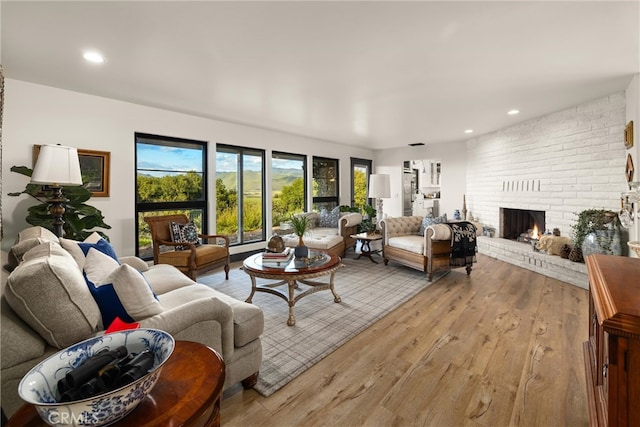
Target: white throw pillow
(98, 266)
(74, 249)
(134, 292)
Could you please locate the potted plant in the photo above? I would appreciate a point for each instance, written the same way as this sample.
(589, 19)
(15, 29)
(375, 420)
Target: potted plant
(369, 220)
(595, 231)
(300, 223)
(80, 218)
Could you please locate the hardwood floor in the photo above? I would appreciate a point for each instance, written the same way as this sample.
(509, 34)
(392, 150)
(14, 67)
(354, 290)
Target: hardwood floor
(502, 347)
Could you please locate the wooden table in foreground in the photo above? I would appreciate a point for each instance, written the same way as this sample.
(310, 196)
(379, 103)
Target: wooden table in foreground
(186, 394)
(365, 240)
(612, 353)
(293, 273)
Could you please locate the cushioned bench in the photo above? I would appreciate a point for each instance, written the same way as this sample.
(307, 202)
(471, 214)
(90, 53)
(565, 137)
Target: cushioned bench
(335, 240)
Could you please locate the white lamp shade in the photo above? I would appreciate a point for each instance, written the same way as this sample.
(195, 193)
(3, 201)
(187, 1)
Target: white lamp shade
(57, 165)
(379, 186)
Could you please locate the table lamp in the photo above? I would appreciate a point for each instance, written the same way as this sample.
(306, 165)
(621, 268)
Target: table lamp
(379, 188)
(57, 165)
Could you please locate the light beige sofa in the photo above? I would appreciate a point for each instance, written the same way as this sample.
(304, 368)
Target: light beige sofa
(334, 240)
(431, 252)
(46, 305)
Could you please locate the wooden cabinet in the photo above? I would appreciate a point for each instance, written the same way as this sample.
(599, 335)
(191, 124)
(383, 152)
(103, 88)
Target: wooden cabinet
(612, 353)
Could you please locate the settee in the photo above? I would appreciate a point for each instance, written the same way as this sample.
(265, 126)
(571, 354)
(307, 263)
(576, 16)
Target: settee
(326, 234)
(47, 305)
(428, 251)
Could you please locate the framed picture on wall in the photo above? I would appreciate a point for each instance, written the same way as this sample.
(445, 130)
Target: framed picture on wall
(628, 135)
(94, 167)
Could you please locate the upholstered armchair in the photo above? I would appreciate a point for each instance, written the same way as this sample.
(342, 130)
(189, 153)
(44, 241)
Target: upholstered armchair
(188, 254)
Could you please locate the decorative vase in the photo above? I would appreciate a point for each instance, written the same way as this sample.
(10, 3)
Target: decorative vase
(301, 251)
(602, 242)
(456, 215)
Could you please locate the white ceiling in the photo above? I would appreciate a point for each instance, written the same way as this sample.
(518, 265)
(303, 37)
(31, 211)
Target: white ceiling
(372, 74)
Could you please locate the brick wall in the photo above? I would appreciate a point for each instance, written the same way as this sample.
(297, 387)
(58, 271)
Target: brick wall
(561, 163)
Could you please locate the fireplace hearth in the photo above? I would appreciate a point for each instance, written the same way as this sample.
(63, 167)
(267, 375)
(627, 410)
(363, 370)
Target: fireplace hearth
(518, 224)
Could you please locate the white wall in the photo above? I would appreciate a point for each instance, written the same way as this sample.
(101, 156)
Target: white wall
(633, 114)
(453, 178)
(572, 160)
(35, 114)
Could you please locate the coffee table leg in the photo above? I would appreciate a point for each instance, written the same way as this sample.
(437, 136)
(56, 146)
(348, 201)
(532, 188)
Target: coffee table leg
(253, 288)
(336, 297)
(292, 284)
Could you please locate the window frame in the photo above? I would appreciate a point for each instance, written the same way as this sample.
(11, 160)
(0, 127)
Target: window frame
(142, 207)
(326, 199)
(240, 150)
(293, 156)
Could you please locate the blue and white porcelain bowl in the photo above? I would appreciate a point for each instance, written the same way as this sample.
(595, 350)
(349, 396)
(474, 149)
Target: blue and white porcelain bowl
(39, 385)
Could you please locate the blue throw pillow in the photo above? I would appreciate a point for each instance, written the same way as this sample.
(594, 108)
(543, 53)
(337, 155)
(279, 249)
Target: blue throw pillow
(430, 220)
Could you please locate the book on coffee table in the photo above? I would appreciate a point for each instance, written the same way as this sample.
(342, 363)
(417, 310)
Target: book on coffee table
(277, 259)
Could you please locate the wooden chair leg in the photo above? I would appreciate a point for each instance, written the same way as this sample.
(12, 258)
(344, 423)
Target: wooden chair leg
(250, 382)
(226, 271)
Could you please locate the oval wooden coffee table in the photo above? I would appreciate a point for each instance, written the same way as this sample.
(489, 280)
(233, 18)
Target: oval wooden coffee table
(186, 394)
(320, 264)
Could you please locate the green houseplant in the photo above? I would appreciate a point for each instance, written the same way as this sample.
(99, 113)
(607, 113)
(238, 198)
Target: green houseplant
(80, 218)
(595, 231)
(369, 213)
(300, 224)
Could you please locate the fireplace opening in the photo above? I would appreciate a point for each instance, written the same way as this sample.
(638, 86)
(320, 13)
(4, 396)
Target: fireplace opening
(521, 224)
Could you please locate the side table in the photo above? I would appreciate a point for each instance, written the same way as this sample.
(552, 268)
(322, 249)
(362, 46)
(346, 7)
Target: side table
(186, 394)
(365, 240)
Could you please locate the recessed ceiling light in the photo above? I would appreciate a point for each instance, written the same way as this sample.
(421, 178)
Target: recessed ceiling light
(94, 57)
(513, 112)
(468, 131)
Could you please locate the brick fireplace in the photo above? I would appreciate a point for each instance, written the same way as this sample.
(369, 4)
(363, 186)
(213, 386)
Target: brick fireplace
(558, 164)
(515, 222)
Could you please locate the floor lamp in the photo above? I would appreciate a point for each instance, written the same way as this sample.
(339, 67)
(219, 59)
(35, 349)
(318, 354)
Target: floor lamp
(379, 188)
(57, 165)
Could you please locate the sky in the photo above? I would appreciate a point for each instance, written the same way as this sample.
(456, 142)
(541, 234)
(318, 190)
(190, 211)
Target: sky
(152, 157)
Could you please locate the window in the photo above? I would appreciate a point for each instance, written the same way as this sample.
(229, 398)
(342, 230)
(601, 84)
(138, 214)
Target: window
(325, 183)
(360, 171)
(171, 177)
(288, 186)
(240, 172)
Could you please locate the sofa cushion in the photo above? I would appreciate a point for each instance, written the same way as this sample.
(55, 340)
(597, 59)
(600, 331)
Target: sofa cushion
(45, 249)
(205, 254)
(19, 341)
(34, 232)
(27, 239)
(19, 249)
(319, 238)
(412, 243)
(329, 219)
(51, 296)
(164, 278)
(248, 319)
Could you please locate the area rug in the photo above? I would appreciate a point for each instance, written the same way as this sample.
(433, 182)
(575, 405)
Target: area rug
(368, 292)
